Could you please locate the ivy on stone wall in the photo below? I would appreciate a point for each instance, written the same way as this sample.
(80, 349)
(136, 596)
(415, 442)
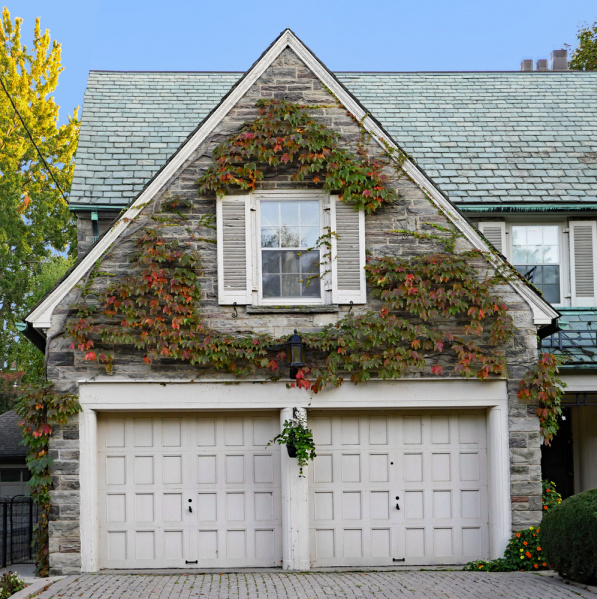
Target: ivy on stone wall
(41, 410)
(438, 313)
(286, 137)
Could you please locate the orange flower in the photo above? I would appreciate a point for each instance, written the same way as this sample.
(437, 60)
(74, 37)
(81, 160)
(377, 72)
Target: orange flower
(525, 543)
(545, 507)
(544, 564)
(480, 566)
(528, 554)
(538, 548)
(536, 565)
(518, 534)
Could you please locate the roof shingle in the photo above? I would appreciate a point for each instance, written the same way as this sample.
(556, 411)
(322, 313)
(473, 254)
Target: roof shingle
(482, 137)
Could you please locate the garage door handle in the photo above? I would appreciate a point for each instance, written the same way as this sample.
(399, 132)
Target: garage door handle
(190, 509)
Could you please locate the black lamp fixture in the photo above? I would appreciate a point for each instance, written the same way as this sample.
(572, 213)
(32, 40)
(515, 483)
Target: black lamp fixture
(295, 353)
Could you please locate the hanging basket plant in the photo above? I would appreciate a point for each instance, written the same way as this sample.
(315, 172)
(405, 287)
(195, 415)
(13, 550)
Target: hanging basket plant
(298, 440)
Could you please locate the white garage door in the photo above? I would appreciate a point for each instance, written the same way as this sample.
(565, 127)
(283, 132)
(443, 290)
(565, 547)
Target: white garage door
(406, 488)
(188, 491)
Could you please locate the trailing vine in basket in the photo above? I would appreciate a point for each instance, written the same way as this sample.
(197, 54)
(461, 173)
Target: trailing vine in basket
(41, 410)
(295, 433)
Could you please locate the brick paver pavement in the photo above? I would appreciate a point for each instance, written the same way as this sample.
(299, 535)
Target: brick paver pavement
(281, 585)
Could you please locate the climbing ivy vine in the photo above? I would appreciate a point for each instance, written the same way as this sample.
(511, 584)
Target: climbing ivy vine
(42, 410)
(286, 136)
(542, 386)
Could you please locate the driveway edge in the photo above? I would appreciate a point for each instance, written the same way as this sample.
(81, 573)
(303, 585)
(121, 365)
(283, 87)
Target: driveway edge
(35, 588)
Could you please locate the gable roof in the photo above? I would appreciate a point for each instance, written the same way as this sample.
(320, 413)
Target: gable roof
(482, 137)
(40, 316)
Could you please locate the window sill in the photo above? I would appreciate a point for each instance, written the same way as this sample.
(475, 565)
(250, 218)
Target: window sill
(307, 309)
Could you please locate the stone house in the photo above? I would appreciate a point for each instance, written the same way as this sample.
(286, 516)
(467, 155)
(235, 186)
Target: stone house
(168, 465)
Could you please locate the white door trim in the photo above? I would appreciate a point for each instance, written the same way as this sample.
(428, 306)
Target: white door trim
(196, 396)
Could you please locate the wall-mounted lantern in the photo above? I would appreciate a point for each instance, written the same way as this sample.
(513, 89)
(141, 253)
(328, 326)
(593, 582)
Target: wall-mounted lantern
(295, 353)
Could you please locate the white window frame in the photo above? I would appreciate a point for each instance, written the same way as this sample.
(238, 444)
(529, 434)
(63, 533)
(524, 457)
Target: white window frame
(255, 227)
(562, 225)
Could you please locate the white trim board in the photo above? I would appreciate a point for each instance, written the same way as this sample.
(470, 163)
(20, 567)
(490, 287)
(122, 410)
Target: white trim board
(40, 317)
(245, 397)
(580, 383)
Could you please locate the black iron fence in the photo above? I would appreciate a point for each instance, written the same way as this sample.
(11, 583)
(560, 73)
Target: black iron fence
(18, 516)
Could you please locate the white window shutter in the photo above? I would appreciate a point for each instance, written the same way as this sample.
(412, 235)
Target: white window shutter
(348, 252)
(495, 232)
(583, 274)
(234, 250)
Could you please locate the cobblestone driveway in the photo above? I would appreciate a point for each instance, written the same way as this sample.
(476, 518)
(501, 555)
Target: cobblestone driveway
(278, 585)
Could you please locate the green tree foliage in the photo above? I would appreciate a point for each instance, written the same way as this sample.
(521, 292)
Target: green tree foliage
(584, 57)
(35, 223)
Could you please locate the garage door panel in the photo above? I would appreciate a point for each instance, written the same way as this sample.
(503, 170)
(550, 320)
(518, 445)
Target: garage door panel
(176, 489)
(206, 432)
(172, 432)
(432, 467)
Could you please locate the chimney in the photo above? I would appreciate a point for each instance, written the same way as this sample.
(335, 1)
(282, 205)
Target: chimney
(526, 65)
(559, 60)
(542, 64)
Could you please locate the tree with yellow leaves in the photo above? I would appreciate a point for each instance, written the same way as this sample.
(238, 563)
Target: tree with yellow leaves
(36, 229)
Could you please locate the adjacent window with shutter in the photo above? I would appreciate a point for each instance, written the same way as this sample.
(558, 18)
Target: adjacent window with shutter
(268, 250)
(563, 267)
(495, 232)
(582, 262)
(536, 255)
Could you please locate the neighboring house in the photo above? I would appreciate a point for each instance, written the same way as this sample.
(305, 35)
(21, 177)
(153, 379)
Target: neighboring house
(174, 470)
(13, 470)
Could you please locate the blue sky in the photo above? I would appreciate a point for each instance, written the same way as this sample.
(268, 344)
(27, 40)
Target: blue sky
(375, 35)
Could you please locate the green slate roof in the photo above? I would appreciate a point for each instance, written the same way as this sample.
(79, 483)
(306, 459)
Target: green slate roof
(482, 137)
(577, 339)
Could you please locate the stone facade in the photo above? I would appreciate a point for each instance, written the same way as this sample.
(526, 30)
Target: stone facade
(85, 228)
(287, 78)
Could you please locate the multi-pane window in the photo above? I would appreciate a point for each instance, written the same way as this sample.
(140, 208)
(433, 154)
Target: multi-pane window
(536, 255)
(289, 257)
(14, 475)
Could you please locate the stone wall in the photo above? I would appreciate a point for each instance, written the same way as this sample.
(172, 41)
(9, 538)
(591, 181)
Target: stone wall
(287, 78)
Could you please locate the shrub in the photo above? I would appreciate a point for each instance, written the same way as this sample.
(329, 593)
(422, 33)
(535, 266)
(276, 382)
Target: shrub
(524, 553)
(569, 534)
(10, 583)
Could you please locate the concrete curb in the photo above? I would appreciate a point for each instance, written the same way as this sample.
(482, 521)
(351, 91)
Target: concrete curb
(35, 588)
